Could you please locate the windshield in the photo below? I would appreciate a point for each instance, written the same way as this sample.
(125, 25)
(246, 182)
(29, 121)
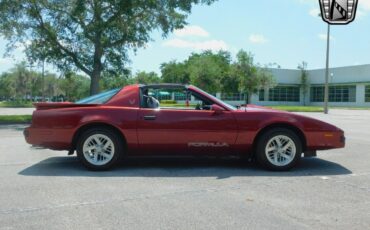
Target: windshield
(100, 98)
(217, 100)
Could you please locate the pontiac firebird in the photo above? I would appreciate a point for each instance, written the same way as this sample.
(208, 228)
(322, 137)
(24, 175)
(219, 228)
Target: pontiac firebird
(108, 127)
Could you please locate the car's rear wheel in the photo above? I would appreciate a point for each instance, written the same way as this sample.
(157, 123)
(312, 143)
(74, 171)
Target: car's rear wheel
(279, 149)
(99, 148)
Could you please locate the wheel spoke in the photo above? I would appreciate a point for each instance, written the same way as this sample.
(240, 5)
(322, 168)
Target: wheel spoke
(88, 149)
(278, 142)
(272, 148)
(95, 157)
(106, 155)
(107, 145)
(97, 140)
(286, 156)
(287, 145)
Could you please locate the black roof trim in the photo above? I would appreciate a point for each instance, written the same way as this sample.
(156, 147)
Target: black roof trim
(164, 85)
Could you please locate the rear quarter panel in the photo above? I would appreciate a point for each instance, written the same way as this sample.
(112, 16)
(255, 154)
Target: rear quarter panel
(56, 127)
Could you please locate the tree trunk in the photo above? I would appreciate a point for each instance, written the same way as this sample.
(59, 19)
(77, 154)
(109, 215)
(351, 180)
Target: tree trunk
(94, 83)
(97, 67)
(249, 98)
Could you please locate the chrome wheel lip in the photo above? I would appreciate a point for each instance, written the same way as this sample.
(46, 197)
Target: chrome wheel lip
(98, 149)
(280, 150)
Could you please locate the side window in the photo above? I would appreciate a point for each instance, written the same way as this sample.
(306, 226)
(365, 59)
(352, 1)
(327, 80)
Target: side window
(174, 98)
(200, 103)
(149, 99)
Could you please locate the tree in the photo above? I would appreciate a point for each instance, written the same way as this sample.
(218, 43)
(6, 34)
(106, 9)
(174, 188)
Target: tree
(51, 86)
(229, 83)
(112, 81)
(74, 86)
(90, 36)
(305, 85)
(7, 89)
(266, 79)
(22, 80)
(207, 68)
(143, 77)
(252, 77)
(174, 72)
(245, 69)
(20, 83)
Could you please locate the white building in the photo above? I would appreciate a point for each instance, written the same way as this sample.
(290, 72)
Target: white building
(348, 86)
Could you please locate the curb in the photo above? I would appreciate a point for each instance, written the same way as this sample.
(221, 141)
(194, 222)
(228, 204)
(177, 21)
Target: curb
(14, 123)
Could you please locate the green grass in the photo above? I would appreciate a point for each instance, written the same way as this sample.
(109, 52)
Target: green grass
(284, 108)
(15, 119)
(298, 108)
(16, 104)
(312, 108)
(280, 107)
(350, 108)
(177, 105)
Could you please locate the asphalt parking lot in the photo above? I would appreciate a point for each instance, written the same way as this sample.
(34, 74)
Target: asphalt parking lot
(43, 189)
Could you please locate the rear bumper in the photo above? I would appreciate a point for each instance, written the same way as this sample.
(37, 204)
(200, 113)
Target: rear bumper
(57, 139)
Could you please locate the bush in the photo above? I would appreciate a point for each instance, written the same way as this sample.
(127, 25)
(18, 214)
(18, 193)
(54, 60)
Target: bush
(15, 119)
(16, 104)
(168, 102)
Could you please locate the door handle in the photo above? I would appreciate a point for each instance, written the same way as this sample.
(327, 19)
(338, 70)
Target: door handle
(150, 117)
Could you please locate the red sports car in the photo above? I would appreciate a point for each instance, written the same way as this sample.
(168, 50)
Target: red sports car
(172, 119)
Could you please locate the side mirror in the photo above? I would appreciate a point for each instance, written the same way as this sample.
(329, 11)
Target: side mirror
(217, 109)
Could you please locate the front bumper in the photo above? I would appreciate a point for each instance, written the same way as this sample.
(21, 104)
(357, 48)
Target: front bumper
(326, 140)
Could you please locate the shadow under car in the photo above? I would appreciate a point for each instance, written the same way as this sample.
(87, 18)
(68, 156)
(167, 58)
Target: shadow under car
(180, 167)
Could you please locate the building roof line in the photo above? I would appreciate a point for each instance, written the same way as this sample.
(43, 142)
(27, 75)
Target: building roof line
(330, 68)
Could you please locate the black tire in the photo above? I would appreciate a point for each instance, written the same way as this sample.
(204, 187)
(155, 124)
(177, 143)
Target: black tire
(261, 155)
(117, 153)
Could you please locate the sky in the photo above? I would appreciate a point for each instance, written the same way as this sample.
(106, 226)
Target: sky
(285, 32)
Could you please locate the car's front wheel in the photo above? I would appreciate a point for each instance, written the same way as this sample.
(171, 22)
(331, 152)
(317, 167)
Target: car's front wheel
(99, 149)
(279, 149)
